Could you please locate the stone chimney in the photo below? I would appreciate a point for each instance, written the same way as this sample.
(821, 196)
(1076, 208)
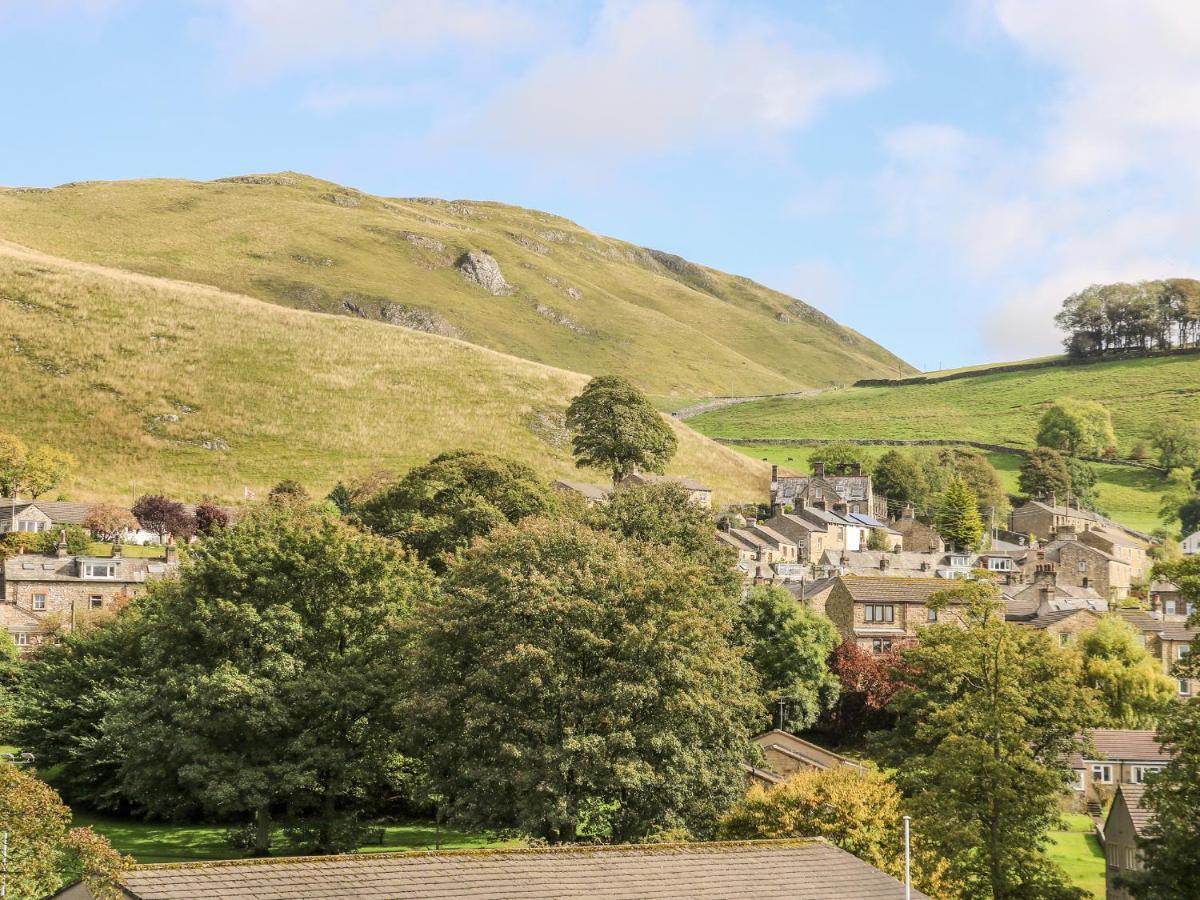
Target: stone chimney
(774, 473)
(908, 513)
(857, 468)
(117, 550)
(170, 548)
(883, 564)
(924, 565)
(60, 549)
(1052, 498)
(818, 469)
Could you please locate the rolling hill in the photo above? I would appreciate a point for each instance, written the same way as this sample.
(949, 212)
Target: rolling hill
(1000, 408)
(562, 295)
(164, 385)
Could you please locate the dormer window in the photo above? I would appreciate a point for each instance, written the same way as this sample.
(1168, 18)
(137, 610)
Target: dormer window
(959, 562)
(999, 564)
(99, 570)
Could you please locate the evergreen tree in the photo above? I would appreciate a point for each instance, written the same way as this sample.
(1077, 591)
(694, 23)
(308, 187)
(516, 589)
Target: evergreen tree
(957, 519)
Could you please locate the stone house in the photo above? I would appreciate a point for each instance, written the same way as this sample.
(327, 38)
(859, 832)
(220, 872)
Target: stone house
(812, 537)
(1086, 566)
(40, 515)
(1126, 823)
(1168, 639)
(787, 754)
(1120, 545)
(1165, 597)
(1118, 757)
(878, 613)
(44, 596)
(1063, 625)
(813, 594)
(848, 490)
(880, 563)
(915, 535)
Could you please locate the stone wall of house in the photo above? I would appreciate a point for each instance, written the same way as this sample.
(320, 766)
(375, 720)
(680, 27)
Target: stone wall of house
(66, 602)
(1081, 567)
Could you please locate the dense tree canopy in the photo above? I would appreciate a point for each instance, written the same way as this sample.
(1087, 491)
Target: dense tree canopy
(440, 507)
(162, 515)
(981, 745)
(839, 454)
(1077, 428)
(788, 644)
(109, 522)
(1149, 315)
(570, 683)
(1130, 684)
(33, 472)
(1044, 472)
(1178, 443)
(269, 675)
(617, 429)
(899, 478)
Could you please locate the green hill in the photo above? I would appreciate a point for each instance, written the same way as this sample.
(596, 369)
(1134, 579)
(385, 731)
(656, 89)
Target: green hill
(569, 298)
(1000, 408)
(159, 385)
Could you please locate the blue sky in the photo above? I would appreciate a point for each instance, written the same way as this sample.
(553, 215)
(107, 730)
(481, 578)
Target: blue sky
(937, 174)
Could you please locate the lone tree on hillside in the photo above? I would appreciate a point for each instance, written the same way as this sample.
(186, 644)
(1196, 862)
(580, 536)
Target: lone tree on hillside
(1044, 472)
(1077, 428)
(617, 429)
(957, 519)
(1178, 443)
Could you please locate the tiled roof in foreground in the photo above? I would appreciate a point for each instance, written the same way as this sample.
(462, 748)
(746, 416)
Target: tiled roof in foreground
(750, 870)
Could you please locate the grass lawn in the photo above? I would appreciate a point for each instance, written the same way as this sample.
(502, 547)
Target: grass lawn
(158, 842)
(1078, 851)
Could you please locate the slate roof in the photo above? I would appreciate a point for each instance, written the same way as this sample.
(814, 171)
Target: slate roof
(1088, 516)
(1171, 628)
(752, 870)
(34, 567)
(1127, 744)
(862, 562)
(690, 484)
(597, 492)
(60, 512)
(865, 589)
(1046, 619)
(1139, 815)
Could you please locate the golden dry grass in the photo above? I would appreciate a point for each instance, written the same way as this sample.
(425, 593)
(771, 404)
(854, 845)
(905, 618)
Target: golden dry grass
(134, 373)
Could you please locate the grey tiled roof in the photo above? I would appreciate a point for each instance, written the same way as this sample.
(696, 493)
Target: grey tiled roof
(753, 870)
(34, 567)
(1127, 744)
(60, 512)
(1139, 815)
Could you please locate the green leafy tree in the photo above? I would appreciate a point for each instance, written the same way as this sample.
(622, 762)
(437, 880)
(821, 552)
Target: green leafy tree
(981, 477)
(46, 468)
(12, 464)
(1130, 683)
(289, 491)
(878, 540)
(1178, 443)
(1170, 851)
(10, 675)
(839, 454)
(858, 810)
(1044, 472)
(69, 690)
(270, 674)
(1189, 515)
(43, 851)
(957, 519)
(1180, 490)
(1077, 428)
(618, 430)
(663, 514)
(108, 522)
(440, 507)
(1083, 483)
(573, 684)
(788, 645)
(898, 477)
(341, 498)
(981, 743)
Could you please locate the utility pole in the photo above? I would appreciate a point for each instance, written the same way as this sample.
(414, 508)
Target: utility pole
(907, 861)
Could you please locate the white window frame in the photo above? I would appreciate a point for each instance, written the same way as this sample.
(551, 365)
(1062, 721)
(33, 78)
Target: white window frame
(30, 525)
(1169, 607)
(39, 602)
(881, 645)
(1138, 773)
(886, 614)
(1185, 687)
(89, 569)
(21, 639)
(1080, 781)
(1102, 773)
(96, 601)
(931, 615)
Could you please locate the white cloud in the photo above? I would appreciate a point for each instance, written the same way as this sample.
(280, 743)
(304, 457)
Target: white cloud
(1103, 187)
(263, 37)
(660, 75)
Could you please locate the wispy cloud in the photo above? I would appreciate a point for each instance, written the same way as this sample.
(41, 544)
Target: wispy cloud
(651, 77)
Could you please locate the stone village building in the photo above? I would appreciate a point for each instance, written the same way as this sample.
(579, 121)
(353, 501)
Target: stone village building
(48, 595)
(880, 613)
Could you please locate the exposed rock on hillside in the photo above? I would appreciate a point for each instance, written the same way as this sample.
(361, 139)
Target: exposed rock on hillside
(342, 198)
(549, 312)
(417, 318)
(284, 180)
(482, 269)
(530, 244)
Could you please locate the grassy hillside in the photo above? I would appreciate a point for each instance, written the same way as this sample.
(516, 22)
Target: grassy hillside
(999, 409)
(579, 301)
(157, 385)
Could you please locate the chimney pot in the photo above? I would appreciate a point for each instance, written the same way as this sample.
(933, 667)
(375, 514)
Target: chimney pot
(774, 473)
(819, 469)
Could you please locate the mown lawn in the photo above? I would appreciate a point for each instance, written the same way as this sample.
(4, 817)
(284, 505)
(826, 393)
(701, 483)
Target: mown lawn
(158, 842)
(1078, 851)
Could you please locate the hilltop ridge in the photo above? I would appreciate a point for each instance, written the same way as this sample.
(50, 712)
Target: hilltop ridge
(524, 282)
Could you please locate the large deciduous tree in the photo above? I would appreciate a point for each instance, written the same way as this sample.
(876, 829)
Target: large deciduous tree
(1076, 428)
(899, 478)
(1130, 683)
(108, 522)
(834, 456)
(440, 507)
(45, 469)
(981, 745)
(957, 518)
(43, 852)
(161, 515)
(1177, 441)
(270, 673)
(617, 429)
(570, 683)
(788, 645)
(1170, 849)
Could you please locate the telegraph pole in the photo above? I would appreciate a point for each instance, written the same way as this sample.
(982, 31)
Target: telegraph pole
(907, 861)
